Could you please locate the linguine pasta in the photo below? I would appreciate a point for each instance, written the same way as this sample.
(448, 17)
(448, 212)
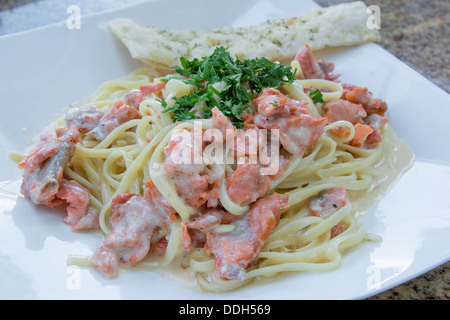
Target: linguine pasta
(135, 152)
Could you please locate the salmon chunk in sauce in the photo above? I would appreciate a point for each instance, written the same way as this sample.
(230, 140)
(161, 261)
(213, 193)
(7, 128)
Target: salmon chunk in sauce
(133, 223)
(298, 128)
(247, 184)
(43, 168)
(79, 215)
(234, 251)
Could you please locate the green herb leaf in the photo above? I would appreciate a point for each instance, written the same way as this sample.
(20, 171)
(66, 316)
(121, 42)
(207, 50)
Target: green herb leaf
(241, 80)
(316, 96)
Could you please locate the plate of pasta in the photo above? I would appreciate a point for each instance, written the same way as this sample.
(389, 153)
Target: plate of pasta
(177, 162)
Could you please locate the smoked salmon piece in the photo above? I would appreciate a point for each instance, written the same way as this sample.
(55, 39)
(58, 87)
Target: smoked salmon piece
(193, 231)
(78, 214)
(221, 121)
(271, 102)
(133, 222)
(43, 168)
(194, 190)
(328, 202)
(367, 125)
(152, 192)
(364, 97)
(234, 251)
(337, 230)
(85, 119)
(312, 69)
(211, 217)
(101, 122)
(134, 97)
(362, 132)
(376, 122)
(247, 184)
(298, 128)
(308, 63)
(184, 162)
(43, 182)
(159, 247)
(344, 110)
(113, 118)
(152, 88)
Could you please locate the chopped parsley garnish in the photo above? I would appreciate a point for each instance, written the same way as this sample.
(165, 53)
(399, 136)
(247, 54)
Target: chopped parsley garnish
(240, 82)
(316, 96)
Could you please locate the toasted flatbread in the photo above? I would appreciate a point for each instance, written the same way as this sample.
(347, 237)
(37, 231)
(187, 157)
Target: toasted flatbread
(339, 25)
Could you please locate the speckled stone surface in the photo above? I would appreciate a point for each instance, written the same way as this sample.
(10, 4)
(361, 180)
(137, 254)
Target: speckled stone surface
(418, 33)
(21, 15)
(415, 31)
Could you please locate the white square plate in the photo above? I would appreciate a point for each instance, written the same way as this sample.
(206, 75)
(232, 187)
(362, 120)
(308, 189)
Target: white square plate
(44, 70)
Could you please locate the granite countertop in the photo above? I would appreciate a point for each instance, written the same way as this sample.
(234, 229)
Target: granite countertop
(415, 31)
